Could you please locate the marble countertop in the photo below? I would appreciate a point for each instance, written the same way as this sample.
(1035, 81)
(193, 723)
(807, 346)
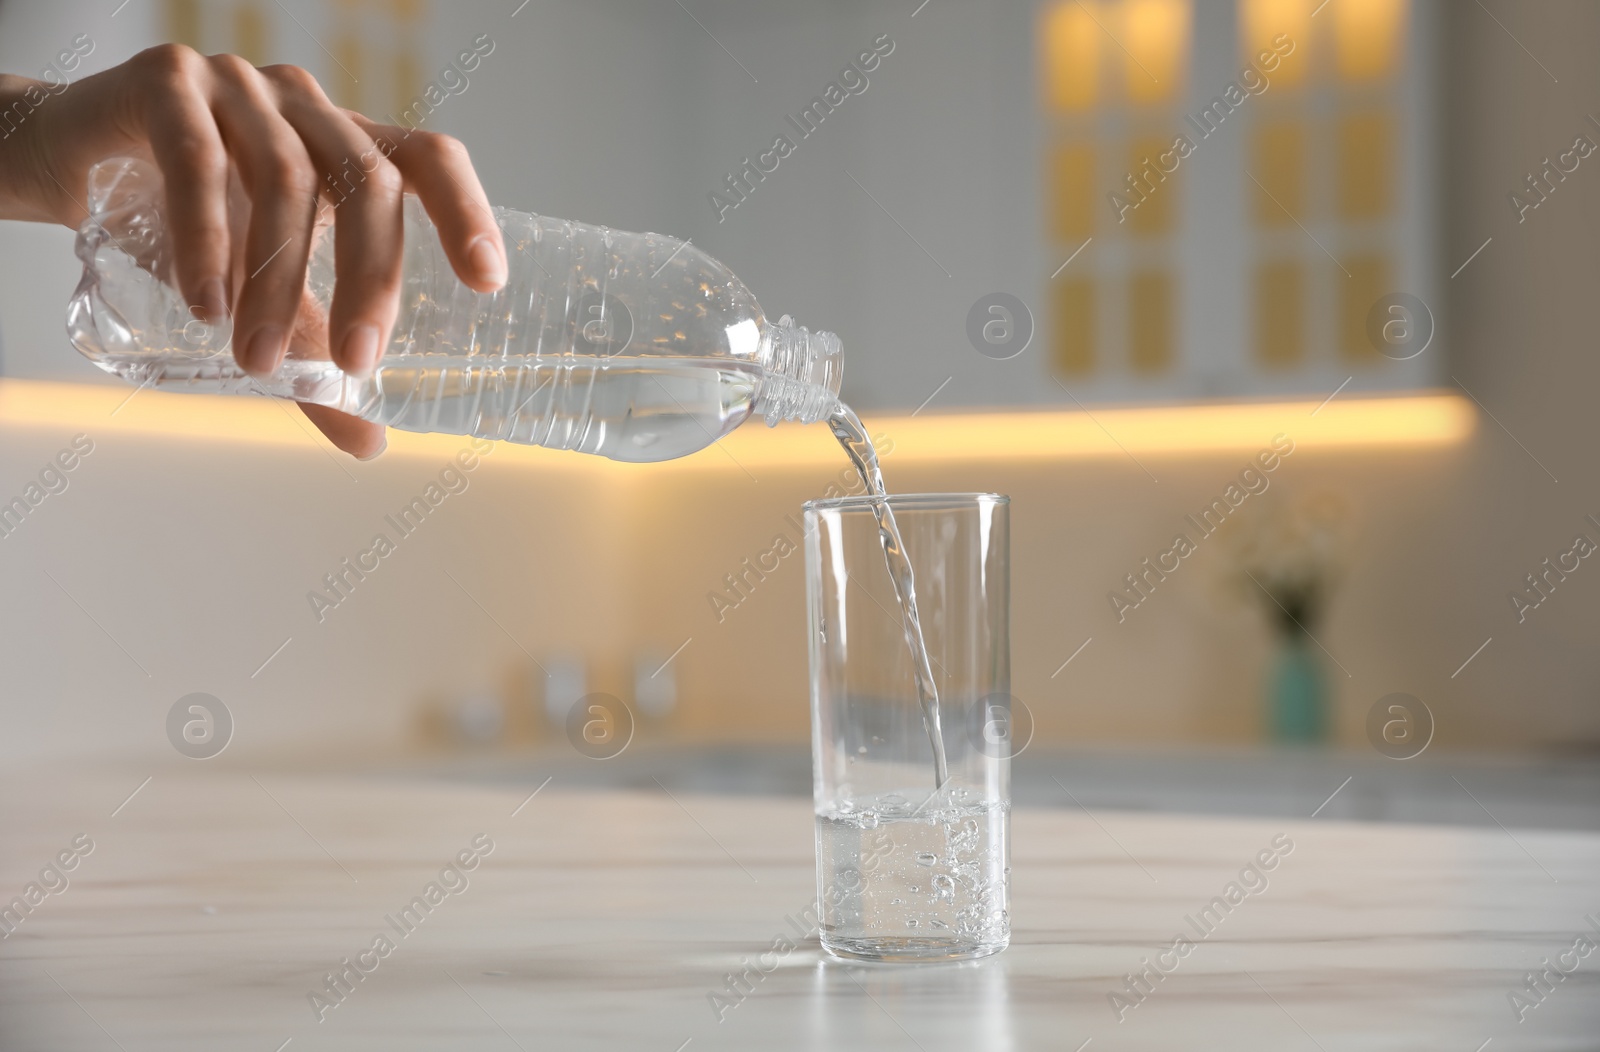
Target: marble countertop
(206, 911)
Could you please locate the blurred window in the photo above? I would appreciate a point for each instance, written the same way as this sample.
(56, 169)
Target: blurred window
(1115, 74)
(373, 48)
(1304, 115)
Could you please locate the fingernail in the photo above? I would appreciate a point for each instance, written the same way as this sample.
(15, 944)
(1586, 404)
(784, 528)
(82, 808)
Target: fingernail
(376, 453)
(361, 350)
(261, 354)
(213, 305)
(487, 260)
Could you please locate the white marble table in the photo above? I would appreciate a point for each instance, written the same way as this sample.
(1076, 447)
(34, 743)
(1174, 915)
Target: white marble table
(213, 904)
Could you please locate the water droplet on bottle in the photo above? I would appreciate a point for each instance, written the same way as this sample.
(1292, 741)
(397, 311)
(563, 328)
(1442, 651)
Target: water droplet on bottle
(926, 858)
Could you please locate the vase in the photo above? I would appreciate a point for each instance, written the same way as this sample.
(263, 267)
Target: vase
(1297, 698)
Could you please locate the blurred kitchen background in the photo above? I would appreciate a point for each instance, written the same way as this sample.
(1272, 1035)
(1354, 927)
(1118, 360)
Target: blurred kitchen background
(1041, 292)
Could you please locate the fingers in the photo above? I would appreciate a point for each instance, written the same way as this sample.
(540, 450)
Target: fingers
(188, 148)
(360, 438)
(287, 144)
(438, 169)
(367, 193)
(282, 185)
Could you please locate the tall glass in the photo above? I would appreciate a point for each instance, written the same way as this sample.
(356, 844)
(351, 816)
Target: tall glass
(907, 871)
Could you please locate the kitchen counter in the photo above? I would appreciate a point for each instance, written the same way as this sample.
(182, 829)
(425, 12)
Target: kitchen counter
(206, 911)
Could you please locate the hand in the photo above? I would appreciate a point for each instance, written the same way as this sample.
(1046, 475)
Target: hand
(206, 120)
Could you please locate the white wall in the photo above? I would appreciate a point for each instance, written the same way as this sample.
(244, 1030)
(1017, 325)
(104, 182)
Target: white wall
(1522, 312)
(941, 143)
(197, 556)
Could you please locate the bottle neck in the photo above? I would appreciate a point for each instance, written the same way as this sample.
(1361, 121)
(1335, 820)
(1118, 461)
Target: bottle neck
(803, 371)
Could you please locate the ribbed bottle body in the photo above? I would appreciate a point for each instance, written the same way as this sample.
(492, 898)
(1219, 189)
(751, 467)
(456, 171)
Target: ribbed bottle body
(636, 347)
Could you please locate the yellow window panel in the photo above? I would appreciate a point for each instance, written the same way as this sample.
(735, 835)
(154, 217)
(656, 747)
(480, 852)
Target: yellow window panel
(1278, 161)
(1156, 36)
(1070, 55)
(1275, 38)
(407, 79)
(250, 33)
(1071, 192)
(346, 52)
(1368, 37)
(183, 22)
(1074, 327)
(1368, 280)
(1150, 311)
(1156, 211)
(1366, 165)
(1280, 309)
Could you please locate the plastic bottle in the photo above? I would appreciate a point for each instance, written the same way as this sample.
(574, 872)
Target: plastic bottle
(637, 347)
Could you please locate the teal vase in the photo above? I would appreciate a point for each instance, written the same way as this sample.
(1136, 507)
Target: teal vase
(1298, 692)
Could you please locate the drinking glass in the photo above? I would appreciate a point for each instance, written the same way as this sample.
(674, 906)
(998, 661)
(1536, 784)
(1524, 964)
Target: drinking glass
(906, 870)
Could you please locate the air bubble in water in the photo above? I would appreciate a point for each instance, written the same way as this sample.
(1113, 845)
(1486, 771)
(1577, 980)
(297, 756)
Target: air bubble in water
(965, 840)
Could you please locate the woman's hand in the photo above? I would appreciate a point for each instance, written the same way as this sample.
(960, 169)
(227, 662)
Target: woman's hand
(204, 120)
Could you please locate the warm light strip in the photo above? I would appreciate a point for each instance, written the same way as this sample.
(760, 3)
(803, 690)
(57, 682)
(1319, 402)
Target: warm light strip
(1426, 420)
(1346, 422)
(97, 409)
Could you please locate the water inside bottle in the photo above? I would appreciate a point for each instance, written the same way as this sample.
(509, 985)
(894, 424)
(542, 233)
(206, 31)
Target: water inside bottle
(636, 410)
(847, 428)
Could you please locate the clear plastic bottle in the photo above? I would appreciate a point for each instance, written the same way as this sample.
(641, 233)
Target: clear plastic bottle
(636, 347)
